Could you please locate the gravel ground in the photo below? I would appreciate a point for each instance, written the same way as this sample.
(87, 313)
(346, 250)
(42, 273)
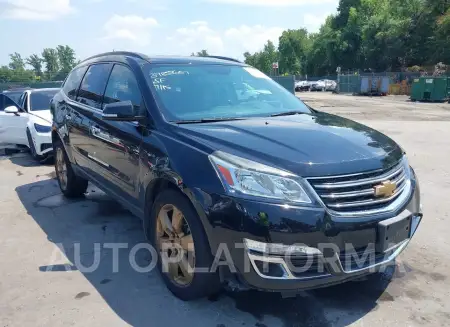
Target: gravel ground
(39, 231)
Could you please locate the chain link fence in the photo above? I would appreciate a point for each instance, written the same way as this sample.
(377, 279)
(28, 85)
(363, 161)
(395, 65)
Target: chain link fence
(34, 85)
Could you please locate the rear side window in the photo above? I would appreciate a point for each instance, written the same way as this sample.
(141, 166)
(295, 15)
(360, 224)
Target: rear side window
(123, 86)
(93, 85)
(5, 101)
(72, 83)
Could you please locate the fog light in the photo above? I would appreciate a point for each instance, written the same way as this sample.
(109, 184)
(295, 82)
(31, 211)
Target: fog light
(279, 249)
(270, 269)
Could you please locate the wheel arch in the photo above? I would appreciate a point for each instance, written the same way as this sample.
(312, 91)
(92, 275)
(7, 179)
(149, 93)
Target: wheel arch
(56, 137)
(164, 183)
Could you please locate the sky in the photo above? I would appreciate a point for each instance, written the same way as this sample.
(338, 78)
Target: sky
(167, 27)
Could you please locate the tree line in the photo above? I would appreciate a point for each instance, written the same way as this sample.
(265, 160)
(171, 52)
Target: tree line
(376, 35)
(50, 65)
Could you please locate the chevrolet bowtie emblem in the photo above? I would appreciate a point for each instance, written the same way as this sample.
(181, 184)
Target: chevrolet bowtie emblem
(385, 190)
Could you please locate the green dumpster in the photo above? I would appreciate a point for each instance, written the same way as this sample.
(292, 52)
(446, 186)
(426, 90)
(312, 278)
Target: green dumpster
(288, 82)
(430, 89)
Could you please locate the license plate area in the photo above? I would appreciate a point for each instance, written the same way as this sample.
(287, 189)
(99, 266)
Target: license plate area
(393, 231)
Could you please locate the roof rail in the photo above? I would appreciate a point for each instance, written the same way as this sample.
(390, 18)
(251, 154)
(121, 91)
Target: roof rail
(224, 58)
(116, 53)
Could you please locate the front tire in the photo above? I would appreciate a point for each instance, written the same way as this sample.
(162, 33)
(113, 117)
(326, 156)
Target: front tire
(174, 227)
(71, 185)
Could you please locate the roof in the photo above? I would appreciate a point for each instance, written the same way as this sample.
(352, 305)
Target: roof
(167, 59)
(18, 89)
(44, 89)
(192, 59)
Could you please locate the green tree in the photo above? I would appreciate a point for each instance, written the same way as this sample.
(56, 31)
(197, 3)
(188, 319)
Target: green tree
(17, 63)
(6, 74)
(293, 47)
(202, 53)
(263, 59)
(66, 58)
(50, 57)
(36, 62)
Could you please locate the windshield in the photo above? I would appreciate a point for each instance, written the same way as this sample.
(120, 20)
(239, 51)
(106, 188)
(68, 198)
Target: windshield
(193, 92)
(40, 100)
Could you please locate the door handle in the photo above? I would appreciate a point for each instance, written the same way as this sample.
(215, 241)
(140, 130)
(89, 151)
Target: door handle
(68, 117)
(95, 130)
(99, 133)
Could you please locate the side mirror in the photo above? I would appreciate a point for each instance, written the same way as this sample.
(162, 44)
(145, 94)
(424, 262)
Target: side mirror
(11, 110)
(120, 111)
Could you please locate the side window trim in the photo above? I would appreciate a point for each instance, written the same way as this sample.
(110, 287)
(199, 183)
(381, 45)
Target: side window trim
(25, 102)
(21, 100)
(92, 108)
(81, 81)
(137, 83)
(79, 84)
(131, 70)
(106, 85)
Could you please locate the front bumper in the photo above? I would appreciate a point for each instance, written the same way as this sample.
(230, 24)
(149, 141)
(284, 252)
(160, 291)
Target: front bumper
(319, 270)
(42, 143)
(230, 221)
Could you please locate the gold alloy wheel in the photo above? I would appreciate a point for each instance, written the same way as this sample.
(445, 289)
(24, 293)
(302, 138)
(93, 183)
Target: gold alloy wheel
(176, 245)
(61, 168)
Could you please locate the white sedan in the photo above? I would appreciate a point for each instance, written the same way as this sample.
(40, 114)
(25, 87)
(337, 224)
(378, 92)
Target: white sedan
(29, 122)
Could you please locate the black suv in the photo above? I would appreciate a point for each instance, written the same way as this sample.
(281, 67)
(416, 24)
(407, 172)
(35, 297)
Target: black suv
(236, 180)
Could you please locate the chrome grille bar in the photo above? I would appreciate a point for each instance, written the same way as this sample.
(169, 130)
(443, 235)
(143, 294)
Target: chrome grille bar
(367, 191)
(355, 194)
(360, 182)
(368, 202)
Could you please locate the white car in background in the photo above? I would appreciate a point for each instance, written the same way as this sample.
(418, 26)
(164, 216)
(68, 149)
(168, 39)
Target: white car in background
(29, 122)
(323, 85)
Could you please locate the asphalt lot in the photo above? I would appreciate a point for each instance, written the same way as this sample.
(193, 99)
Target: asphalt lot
(36, 224)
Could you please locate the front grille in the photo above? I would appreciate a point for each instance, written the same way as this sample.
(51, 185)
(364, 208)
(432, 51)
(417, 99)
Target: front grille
(355, 193)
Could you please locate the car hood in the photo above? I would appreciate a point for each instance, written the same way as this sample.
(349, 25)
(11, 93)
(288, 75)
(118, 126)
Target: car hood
(316, 144)
(43, 114)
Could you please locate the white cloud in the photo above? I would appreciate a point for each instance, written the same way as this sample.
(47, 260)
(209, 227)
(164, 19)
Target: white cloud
(132, 28)
(35, 9)
(313, 22)
(232, 42)
(196, 37)
(160, 5)
(252, 38)
(272, 3)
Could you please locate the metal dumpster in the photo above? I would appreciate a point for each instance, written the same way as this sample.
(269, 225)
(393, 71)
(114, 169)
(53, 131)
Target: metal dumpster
(288, 82)
(374, 85)
(430, 89)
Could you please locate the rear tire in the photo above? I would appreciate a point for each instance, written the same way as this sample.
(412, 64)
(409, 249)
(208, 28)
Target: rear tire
(71, 185)
(201, 284)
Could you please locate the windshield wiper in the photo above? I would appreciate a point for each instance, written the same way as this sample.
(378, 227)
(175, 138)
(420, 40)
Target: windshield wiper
(204, 120)
(289, 113)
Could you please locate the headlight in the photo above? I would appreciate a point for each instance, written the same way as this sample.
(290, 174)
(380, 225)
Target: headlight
(240, 176)
(42, 128)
